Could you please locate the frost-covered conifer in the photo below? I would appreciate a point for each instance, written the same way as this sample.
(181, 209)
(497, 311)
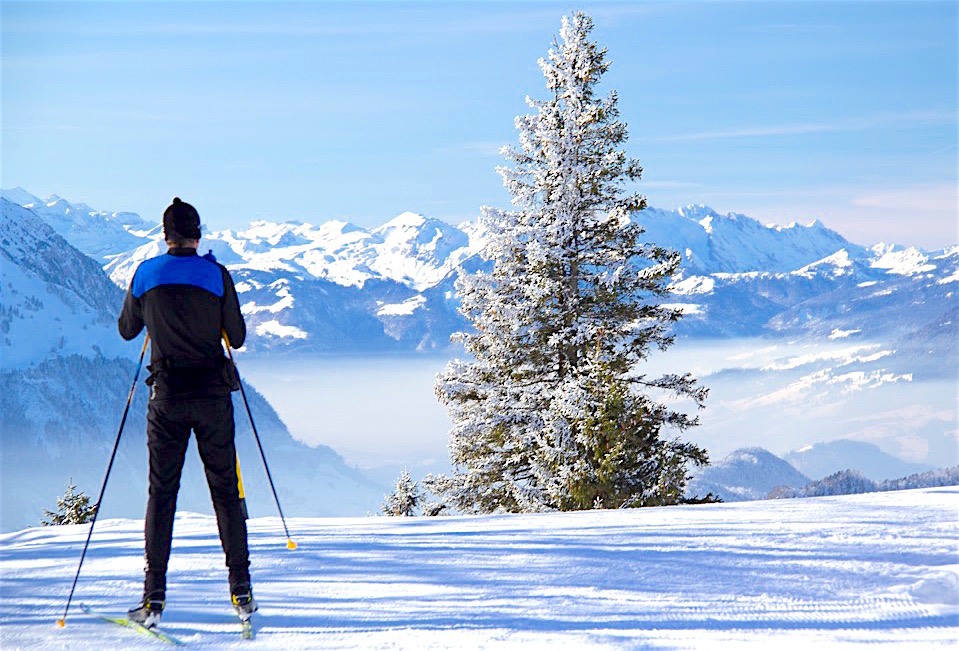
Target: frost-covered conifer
(405, 497)
(72, 508)
(553, 410)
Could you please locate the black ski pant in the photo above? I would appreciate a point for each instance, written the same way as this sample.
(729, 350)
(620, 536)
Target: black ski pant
(169, 423)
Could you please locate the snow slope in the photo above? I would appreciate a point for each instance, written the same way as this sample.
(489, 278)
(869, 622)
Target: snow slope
(55, 300)
(824, 573)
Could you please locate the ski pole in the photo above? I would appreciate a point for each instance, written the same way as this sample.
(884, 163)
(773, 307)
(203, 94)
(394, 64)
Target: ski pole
(96, 511)
(289, 541)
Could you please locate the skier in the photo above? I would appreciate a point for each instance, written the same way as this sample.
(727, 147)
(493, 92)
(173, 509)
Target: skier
(186, 301)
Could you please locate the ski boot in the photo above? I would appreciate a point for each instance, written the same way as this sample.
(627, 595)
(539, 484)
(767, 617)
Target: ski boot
(148, 612)
(243, 602)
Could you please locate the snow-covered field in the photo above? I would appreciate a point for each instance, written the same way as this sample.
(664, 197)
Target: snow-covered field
(842, 572)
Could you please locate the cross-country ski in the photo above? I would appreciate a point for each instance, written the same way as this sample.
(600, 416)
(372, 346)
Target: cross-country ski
(125, 622)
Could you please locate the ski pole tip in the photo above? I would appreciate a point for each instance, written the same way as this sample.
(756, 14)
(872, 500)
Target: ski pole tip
(290, 544)
(61, 623)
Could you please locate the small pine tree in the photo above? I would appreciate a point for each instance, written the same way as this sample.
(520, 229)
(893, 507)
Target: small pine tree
(553, 411)
(73, 508)
(404, 499)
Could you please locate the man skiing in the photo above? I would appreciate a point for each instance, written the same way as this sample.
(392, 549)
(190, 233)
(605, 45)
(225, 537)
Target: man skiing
(186, 301)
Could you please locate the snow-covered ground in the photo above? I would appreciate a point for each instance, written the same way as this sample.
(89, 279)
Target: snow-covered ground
(823, 573)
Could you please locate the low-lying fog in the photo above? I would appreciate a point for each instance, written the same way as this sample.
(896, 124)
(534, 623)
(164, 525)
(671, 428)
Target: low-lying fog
(381, 413)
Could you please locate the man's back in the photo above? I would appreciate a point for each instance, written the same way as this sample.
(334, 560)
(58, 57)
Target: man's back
(185, 301)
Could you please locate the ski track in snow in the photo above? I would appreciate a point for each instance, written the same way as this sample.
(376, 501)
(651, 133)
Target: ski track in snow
(818, 573)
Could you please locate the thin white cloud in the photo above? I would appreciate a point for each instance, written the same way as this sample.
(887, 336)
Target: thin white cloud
(908, 119)
(917, 199)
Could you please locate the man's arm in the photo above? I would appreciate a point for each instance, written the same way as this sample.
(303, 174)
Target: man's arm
(130, 322)
(233, 321)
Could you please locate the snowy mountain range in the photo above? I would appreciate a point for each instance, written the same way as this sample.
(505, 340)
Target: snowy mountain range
(337, 287)
(65, 375)
(740, 278)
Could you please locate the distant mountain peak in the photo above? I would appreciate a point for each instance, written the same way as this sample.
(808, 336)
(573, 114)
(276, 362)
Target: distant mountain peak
(19, 196)
(405, 221)
(696, 211)
(340, 226)
(825, 458)
(746, 473)
(839, 263)
(903, 261)
(751, 454)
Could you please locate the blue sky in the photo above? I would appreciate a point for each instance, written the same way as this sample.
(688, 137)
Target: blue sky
(844, 112)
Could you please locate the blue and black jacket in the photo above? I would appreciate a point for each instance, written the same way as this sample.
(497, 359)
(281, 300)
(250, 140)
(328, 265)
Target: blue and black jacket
(184, 300)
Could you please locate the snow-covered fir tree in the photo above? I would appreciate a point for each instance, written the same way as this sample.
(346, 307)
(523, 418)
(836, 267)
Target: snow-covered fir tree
(553, 411)
(72, 508)
(404, 499)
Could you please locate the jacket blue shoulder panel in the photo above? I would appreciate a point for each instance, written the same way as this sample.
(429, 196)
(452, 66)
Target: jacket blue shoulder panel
(177, 270)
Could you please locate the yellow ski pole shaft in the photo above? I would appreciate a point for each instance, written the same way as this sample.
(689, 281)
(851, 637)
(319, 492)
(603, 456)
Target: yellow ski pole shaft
(289, 541)
(239, 487)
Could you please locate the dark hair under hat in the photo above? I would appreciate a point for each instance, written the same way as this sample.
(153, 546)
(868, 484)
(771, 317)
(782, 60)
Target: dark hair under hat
(181, 221)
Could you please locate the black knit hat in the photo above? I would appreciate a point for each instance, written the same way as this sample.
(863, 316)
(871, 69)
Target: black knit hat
(181, 221)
